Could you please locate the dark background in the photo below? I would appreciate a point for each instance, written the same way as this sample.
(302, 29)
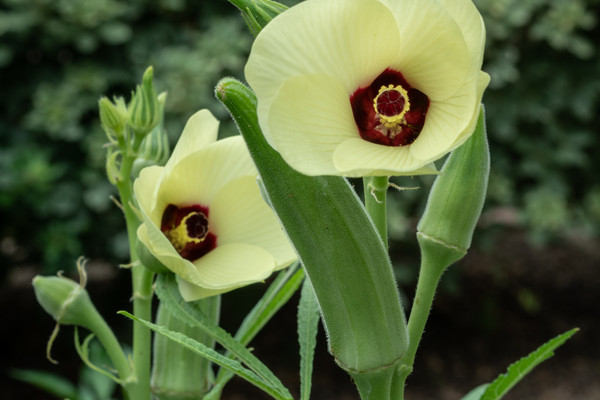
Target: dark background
(531, 274)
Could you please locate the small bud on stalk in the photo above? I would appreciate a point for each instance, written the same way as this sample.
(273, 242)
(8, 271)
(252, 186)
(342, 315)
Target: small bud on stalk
(155, 148)
(113, 117)
(144, 108)
(457, 196)
(258, 13)
(64, 299)
(69, 304)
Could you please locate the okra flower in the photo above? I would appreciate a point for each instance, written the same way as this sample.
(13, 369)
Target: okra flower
(369, 87)
(204, 217)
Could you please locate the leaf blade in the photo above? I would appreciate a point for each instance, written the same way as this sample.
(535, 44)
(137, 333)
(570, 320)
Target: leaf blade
(308, 324)
(213, 356)
(50, 383)
(476, 393)
(517, 371)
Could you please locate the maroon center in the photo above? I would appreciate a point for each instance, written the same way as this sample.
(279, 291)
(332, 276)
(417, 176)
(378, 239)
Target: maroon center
(390, 103)
(367, 118)
(196, 225)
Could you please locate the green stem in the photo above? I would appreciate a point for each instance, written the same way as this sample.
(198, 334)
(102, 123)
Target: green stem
(375, 202)
(375, 385)
(436, 257)
(98, 326)
(142, 280)
(428, 280)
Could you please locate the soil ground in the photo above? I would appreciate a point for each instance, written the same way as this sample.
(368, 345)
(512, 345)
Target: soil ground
(493, 307)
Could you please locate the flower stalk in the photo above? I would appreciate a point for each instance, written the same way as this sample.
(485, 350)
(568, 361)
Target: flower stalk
(375, 202)
(445, 232)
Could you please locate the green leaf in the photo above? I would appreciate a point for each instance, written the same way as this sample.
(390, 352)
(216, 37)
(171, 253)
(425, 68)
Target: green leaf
(278, 293)
(476, 393)
(338, 246)
(168, 292)
(51, 383)
(213, 356)
(308, 325)
(517, 371)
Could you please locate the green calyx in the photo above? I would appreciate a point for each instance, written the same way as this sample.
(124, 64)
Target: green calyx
(457, 196)
(144, 107)
(258, 13)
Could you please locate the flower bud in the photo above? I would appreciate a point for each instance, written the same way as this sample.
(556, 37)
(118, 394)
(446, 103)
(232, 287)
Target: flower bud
(64, 299)
(155, 148)
(113, 117)
(144, 108)
(457, 196)
(258, 13)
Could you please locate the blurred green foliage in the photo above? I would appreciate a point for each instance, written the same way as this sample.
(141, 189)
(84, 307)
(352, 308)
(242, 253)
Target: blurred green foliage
(57, 57)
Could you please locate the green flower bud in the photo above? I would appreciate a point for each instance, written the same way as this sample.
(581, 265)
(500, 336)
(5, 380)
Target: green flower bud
(148, 259)
(457, 196)
(144, 108)
(258, 13)
(64, 299)
(155, 148)
(113, 117)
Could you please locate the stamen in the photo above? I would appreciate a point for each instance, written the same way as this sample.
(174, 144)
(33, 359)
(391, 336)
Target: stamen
(193, 228)
(391, 103)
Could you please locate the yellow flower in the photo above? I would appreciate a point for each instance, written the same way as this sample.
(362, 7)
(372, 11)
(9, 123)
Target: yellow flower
(204, 217)
(368, 87)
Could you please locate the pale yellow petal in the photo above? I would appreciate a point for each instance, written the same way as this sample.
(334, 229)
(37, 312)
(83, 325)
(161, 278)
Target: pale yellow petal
(145, 187)
(351, 41)
(434, 56)
(198, 178)
(310, 116)
(471, 24)
(200, 131)
(191, 292)
(233, 265)
(240, 215)
(482, 83)
(445, 121)
(357, 157)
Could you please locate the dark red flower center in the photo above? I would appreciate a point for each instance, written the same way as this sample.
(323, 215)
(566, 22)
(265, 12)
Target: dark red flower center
(188, 230)
(389, 111)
